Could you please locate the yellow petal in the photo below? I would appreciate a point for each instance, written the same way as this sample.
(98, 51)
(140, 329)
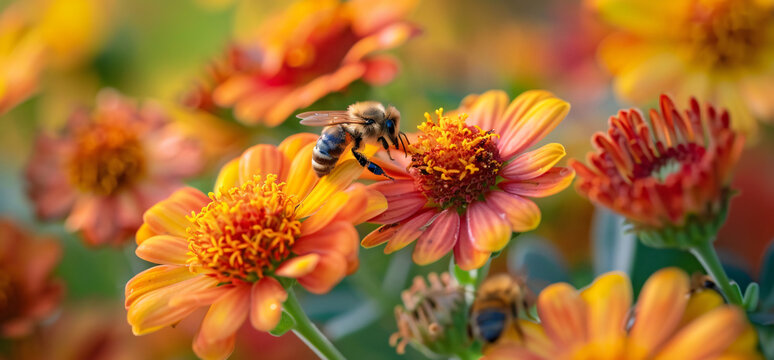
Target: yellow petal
(154, 278)
(339, 179)
(534, 163)
(298, 266)
(563, 315)
(301, 177)
(226, 315)
(228, 176)
(608, 300)
(487, 230)
(266, 303)
(706, 337)
(152, 311)
(540, 120)
(659, 309)
(261, 160)
(164, 249)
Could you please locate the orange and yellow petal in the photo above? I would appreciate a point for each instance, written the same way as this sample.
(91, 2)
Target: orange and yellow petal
(438, 239)
(487, 230)
(154, 278)
(168, 217)
(722, 326)
(330, 270)
(266, 303)
(226, 315)
(466, 256)
(700, 303)
(608, 300)
(522, 214)
(298, 266)
(538, 121)
(550, 183)
(403, 200)
(293, 144)
(301, 176)
(487, 110)
(261, 160)
(164, 249)
(563, 314)
(339, 179)
(151, 311)
(218, 350)
(409, 231)
(339, 237)
(204, 297)
(642, 17)
(228, 176)
(534, 163)
(379, 236)
(345, 205)
(659, 309)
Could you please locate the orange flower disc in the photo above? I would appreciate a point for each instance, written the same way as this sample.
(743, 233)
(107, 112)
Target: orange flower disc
(454, 163)
(245, 232)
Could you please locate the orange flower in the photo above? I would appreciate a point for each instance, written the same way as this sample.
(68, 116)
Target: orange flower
(28, 295)
(108, 167)
(665, 176)
(666, 323)
(469, 179)
(717, 50)
(40, 34)
(269, 218)
(312, 49)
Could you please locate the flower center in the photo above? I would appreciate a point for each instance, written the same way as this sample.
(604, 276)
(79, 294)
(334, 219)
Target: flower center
(670, 162)
(9, 297)
(245, 232)
(454, 163)
(108, 155)
(727, 33)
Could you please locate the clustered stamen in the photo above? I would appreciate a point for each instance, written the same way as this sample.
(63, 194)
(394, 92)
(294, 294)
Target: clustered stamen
(454, 163)
(107, 156)
(727, 34)
(245, 232)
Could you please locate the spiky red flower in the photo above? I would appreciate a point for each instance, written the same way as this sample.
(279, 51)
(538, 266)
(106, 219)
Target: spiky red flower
(664, 175)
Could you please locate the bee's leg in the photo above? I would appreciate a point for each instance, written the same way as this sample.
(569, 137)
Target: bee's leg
(386, 146)
(364, 162)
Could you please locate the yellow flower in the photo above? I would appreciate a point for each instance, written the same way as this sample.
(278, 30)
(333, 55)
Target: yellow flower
(666, 323)
(720, 51)
(270, 218)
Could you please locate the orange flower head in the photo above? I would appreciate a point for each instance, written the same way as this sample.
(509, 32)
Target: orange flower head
(312, 49)
(715, 50)
(28, 294)
(599, 322)
(467, 185)
(454, 163)
(664, 177)
(269, 219)
(108, 166)
(243, 232)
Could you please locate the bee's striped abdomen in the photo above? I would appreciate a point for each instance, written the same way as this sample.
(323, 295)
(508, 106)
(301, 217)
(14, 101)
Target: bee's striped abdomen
(329, 147)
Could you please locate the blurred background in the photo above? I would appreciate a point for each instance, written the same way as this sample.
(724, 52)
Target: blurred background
(153, 51)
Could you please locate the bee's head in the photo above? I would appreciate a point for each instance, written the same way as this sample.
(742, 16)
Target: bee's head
(392, 126)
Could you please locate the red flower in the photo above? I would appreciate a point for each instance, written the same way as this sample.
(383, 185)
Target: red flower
(108, 167)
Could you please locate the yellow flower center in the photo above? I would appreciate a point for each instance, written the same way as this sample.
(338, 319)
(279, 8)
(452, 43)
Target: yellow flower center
(454, 163)
(107, 156)
(727, 33)
(245, 232)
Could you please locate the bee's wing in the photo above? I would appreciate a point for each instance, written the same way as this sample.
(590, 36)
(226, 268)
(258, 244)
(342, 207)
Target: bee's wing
(326, 118)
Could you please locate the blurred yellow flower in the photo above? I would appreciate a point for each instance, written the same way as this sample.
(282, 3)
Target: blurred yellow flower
(314, 48)
(270, 218)
(720, 51)
(666, 323)
(37, 34)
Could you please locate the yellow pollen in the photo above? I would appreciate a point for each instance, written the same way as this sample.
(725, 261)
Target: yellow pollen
(245, 232)
(453, 163)
(107, 155)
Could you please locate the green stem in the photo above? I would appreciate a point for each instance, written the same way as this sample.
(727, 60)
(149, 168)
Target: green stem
(309, 333)
(482, 273)
(707, 256)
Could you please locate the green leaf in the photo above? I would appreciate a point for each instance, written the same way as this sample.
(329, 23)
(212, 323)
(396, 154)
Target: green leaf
(286, 323)
(750, 299)
(463, 277)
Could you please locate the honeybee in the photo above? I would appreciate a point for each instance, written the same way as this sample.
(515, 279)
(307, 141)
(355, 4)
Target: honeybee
(367, 121)
(496, 308)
